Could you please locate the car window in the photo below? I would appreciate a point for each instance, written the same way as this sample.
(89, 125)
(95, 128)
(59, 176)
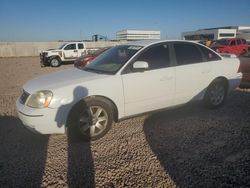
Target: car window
(209, 55)
(62, 46)
(80, 46)
(156, 57)
(187, 53)
(238, 41)
(244, 41)
(222, 42)
(70, 47)
(233, 43)
(112, 59)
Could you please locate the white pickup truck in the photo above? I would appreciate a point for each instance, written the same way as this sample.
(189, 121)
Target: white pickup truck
(66, 53)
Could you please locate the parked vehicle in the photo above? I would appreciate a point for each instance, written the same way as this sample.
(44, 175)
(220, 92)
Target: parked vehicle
(86, 59)
(237, 46)
(127, 80)
(68, 52)
(245, 69)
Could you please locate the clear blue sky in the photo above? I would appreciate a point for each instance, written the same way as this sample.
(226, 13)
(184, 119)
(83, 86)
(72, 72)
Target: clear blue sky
(52, 20)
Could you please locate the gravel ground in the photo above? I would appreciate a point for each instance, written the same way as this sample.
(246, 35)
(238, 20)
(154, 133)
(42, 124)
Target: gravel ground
(186, 147)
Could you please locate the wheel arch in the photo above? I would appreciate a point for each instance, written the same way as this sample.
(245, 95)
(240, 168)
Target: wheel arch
(223, 79)
(55, 56)
(96, 97)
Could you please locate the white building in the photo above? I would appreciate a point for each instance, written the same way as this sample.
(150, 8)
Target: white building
(218, 33)
(137, 35)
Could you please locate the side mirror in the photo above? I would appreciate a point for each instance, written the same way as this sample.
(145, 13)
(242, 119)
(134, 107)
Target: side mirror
(140, 66)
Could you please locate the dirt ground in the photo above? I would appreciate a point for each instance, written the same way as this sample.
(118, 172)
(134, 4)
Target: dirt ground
(186, 147)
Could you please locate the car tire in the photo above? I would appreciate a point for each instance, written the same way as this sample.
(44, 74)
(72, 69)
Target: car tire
(91, 118)
(55, 62)
(216, 94)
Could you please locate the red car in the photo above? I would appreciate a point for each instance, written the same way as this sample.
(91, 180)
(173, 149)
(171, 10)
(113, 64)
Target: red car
(245, 69)
(237, 46)
(86, 59)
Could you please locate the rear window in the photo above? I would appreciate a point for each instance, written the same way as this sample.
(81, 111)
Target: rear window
(233, 43)
(238, 41)
(223, 42)
(209, 55)
(80, 46)
(187, 54)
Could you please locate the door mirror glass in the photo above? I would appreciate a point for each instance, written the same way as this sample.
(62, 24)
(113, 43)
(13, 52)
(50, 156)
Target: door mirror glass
(140, 66)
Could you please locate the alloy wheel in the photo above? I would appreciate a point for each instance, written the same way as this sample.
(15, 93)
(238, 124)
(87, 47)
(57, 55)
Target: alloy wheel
(93, 121)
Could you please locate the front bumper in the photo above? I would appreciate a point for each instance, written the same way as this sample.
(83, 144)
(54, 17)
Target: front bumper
(44, 60)
(44, 121)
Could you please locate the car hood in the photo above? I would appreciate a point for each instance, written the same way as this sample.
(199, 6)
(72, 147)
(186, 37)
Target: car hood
(52, 50)
(59, 79)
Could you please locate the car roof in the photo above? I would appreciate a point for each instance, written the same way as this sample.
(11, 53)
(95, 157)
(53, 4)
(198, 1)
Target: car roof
(145, 43)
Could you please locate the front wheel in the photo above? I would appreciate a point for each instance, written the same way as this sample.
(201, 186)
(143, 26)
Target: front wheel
(91, 119)
(216, 94)
(55, 62)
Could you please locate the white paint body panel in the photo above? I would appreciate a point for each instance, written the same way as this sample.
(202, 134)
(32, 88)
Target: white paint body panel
(132, 93)
(149, 90)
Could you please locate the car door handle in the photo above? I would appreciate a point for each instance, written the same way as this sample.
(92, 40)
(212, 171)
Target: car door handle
(206, 71)
(166, 78)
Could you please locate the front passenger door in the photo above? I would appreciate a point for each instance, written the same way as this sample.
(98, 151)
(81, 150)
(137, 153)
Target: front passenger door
(152, 89)
(70, 51)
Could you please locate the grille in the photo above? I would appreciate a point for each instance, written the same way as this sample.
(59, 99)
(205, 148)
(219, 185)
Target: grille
(43, 55)
(24, 97)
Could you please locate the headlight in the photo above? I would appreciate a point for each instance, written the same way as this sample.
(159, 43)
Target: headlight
(40, 99)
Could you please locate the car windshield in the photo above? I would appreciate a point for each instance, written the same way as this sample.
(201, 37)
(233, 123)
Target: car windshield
(61, 47)
(222, 42)
(112, 60)
(97, 52)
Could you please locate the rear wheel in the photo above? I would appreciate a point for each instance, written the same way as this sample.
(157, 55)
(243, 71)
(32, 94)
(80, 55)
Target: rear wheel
(216, 94)
(91, 119)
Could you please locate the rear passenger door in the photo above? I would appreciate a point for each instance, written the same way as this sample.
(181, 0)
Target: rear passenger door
(193, 71)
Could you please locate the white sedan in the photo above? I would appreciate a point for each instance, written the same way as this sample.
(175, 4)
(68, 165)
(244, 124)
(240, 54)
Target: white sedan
(126, 81)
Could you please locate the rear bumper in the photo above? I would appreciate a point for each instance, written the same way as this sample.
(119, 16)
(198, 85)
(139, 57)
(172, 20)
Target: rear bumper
(234, 81)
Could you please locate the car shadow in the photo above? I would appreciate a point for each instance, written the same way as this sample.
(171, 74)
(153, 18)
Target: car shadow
(22, 154)
(81, 171)
(198, 147)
